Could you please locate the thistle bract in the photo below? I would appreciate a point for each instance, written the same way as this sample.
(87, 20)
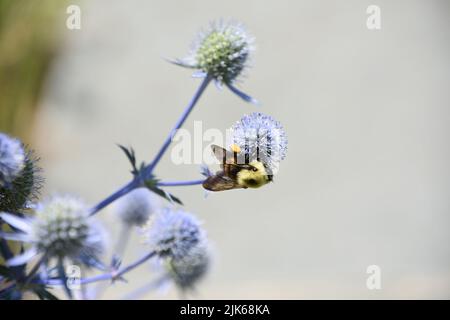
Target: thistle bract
(173, 233)
(19, 194)
(19, 175)
(261, 138)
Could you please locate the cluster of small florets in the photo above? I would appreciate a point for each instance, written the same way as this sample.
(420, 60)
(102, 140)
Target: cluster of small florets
(61, 227)
(262, 138)
(222, 51)
(173, 233)
(181, 245)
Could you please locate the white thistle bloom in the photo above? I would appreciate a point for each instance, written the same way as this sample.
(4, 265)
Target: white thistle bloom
(262, 138)
(12, 159)
(135, 208)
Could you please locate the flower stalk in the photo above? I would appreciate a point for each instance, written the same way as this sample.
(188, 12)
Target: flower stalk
(148, 170)
(180, 183)
(112, 275)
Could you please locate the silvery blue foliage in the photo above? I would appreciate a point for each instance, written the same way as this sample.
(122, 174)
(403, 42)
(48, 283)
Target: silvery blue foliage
(12, 159)
(261, 138)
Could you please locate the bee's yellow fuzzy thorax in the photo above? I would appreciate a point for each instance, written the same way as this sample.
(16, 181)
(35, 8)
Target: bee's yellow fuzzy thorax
(253, 179)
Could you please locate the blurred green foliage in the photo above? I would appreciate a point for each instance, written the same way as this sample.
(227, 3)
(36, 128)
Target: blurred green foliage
(28, 43)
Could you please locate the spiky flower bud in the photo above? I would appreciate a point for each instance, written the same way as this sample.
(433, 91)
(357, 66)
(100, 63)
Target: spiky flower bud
(173, 233)
(135, 208)
(19, 175)
(188, 270)
(262, 138)
(61, 226)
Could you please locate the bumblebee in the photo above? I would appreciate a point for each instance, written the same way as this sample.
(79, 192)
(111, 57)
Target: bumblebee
(233, 174)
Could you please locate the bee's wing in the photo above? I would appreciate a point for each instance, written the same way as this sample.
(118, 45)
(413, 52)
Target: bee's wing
(223, 155)
(220, 182)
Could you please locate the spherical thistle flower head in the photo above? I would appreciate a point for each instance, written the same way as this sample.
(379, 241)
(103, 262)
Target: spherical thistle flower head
(173, 233)
(12, 159)
(24, 189)
(135, 208)
(222, 51)
(261, 138)
(19, 175)
(188, 270)
(61, 227)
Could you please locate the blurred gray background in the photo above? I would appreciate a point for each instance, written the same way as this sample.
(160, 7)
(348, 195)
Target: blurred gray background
(366, 179)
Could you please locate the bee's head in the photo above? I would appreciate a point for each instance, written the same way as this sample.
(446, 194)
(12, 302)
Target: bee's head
(254, 175)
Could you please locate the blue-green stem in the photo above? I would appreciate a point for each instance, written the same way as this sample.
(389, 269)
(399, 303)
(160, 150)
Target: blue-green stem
(113, 275)
(179, 124)
(180, 183)
(148, 170)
